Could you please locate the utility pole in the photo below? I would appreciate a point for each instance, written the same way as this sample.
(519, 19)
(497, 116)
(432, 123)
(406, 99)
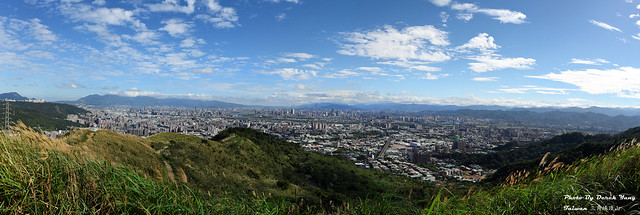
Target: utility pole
(7, 117)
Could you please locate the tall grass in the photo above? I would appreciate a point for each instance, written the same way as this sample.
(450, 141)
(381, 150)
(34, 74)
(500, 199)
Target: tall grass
(43, 176)
(613, 174)
(39, 175)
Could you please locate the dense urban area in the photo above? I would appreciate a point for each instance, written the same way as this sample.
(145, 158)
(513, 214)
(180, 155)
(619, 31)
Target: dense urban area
(403, 143)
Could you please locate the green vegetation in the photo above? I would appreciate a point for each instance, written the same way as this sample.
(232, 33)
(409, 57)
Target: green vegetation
(245, 161)
(46, 116)
(43, 176)
(242, 171)
(546, 190)
(514, 152)
(116, 148)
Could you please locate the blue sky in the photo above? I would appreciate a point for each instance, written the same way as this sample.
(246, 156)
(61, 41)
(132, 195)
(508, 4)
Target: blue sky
(289, 52)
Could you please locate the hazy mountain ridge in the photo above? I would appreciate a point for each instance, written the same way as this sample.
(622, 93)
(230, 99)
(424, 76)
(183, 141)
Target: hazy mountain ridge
(111, 100)
(556, 118)
(12, 96)
(425, 108)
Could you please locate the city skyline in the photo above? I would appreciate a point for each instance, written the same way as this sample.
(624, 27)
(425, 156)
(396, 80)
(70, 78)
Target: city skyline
(291, 52)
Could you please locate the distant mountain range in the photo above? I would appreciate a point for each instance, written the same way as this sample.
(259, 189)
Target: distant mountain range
(141, 101)
(12, 96)
(435, 108)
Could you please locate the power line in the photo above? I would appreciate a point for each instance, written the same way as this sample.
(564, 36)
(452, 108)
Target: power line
(7, 117)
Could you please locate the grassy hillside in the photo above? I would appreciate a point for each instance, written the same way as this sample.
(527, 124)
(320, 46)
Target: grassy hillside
(43, 176)
(612, 179)
(514, 152)
(72, 175)
(245, 161)
(115, 149)
(242, 171)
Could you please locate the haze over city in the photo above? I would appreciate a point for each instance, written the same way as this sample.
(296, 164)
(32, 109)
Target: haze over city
(291, 52)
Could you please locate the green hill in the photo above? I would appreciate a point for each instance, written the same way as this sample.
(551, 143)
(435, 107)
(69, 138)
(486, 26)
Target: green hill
(242, 171)
(246, 161)
(553, 187)
(243, 163)
(46, 116)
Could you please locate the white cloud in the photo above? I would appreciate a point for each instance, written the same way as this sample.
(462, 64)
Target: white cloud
(173, 6)
(638, 7)
(604, 25)
(313, 66)
(175, 27)
(430, 76)
(301, 86)
(134, 92)
(109, 16)
(413, 65)
(9, 58)
(67, 86)
(104, 34)
(281, 16)
(411, 43)
(485, 79)
(637, 36)
(444, 16)
(370, 69)
(301, 56)
(292, 1)
(536, 89)
(425, 68)
(40, 54)
(146, 37)
(464, 16)
(99, 2)
(286, 60)
(491, 63)
(41, 32)
(178, 62)
(503, 15)
(220, 17)
(481, 42)
(293, 74)
(589, 62)
(16, 34)
(9, 36)
(464, 6)
(633, 16)
(577, 100)
(188, 43)
(204, 71)
(440, 3)
(623, 81)
(345, 73)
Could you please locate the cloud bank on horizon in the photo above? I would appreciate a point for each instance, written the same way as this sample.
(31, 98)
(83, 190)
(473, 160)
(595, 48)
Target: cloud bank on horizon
(289, 52)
